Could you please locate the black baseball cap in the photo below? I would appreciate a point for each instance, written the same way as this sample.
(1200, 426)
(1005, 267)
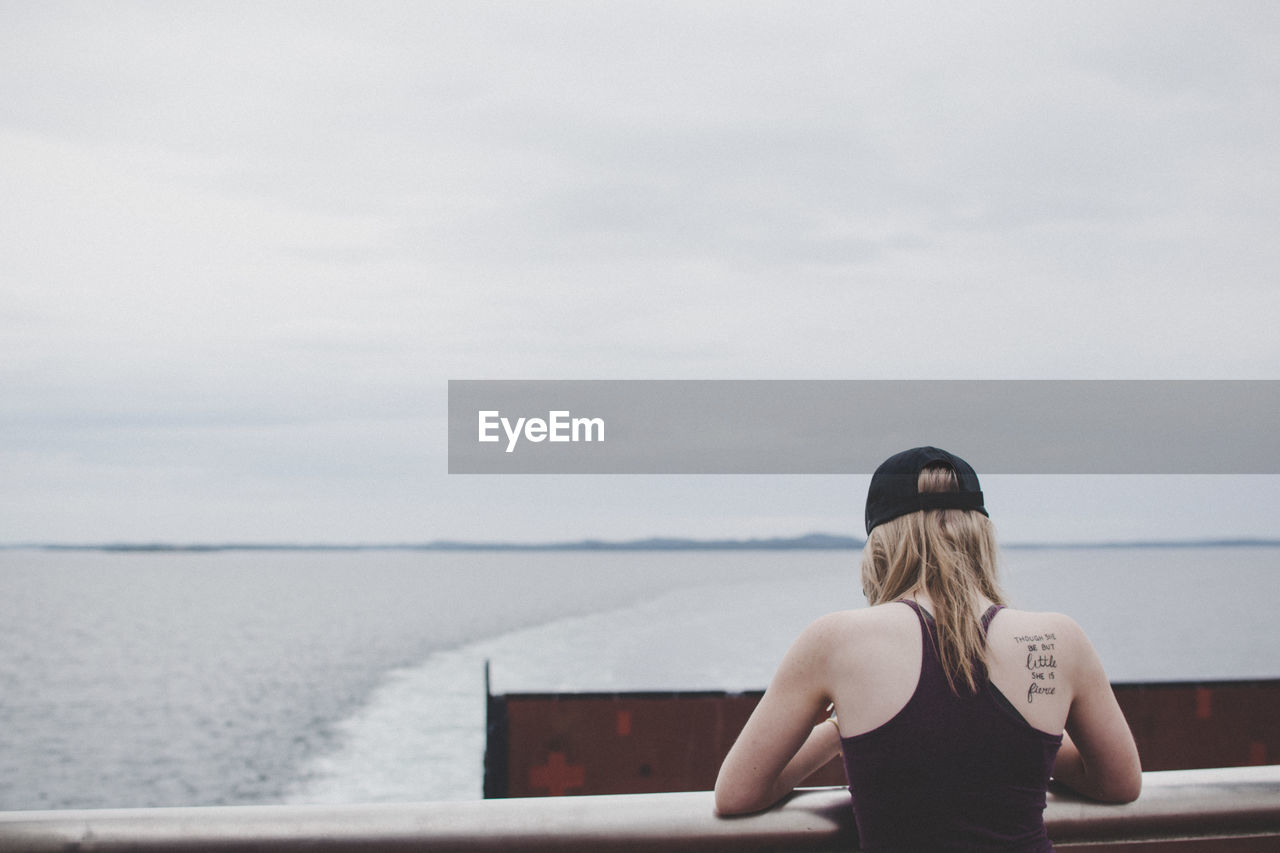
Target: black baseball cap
(894, 486)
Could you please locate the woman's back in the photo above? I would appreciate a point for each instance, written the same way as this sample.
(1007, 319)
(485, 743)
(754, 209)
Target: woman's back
(1031, 660)
(950, 769)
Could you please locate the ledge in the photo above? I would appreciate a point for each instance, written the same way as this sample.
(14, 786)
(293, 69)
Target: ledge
(1181, 804)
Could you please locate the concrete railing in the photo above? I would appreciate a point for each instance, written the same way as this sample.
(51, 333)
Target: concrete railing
(1229, 803)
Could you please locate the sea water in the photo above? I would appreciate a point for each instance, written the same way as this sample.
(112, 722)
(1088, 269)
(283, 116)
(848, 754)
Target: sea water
(235, 677)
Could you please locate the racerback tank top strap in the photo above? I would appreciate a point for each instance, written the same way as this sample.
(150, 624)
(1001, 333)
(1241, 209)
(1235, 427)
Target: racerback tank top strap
(989, 615)
(926, 617)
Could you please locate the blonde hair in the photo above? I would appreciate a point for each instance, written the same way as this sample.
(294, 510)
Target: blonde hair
(951, 555)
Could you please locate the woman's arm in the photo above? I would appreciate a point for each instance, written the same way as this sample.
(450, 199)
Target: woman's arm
(779, 747)
(1098, 757)
(822, 745)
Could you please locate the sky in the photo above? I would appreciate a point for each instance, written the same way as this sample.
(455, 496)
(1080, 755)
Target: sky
(244, 246)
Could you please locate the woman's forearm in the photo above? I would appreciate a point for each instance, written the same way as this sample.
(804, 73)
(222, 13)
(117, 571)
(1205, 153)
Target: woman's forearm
(821, 746)
(738, 793)
(1068, 767)
(1071, 769)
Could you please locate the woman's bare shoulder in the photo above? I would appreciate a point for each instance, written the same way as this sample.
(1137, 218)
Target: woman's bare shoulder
(1037, 622)
(1018, 632)
(864, 618)
(844, 628)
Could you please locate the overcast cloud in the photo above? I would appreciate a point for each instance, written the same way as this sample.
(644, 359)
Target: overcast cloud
(245, 245)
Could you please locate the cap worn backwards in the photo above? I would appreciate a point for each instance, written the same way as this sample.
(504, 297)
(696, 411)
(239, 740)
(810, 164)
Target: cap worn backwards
(895, 486)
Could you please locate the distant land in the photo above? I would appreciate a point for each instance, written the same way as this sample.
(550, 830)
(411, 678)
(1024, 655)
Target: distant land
(808, 542)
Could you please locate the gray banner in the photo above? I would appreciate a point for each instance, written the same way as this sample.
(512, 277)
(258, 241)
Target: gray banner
(850, 426)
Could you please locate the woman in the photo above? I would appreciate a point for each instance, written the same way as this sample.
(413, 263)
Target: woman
(951, 709)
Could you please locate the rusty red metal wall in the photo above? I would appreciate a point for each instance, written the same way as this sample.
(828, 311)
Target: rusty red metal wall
(557, 744)
(1215, 724)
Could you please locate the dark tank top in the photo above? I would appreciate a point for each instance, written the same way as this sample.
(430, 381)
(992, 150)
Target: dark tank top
(951, 772)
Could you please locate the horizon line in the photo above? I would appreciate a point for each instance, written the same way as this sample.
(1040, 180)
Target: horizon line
(811, 542)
